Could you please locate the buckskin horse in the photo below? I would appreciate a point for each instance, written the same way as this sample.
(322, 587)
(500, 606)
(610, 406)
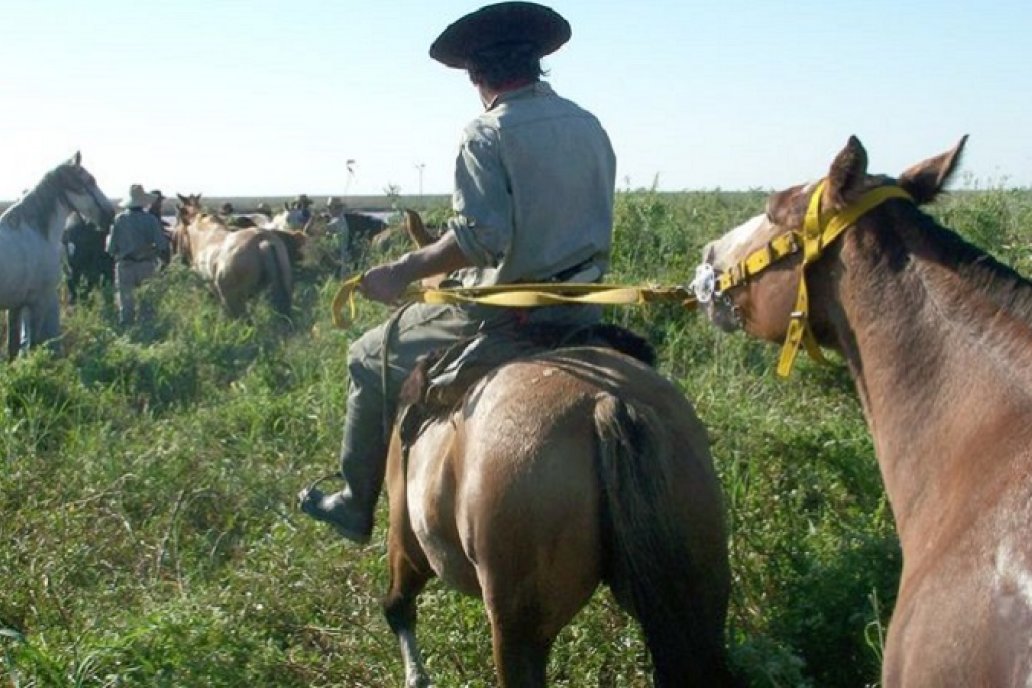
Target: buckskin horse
(237, 264)
(937, 336)
(30, 249)
(552, 474)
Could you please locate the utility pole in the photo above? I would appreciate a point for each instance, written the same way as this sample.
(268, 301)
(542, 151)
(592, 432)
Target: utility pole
(420, 166)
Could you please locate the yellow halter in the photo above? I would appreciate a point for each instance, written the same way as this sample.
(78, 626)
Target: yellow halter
(817, 233)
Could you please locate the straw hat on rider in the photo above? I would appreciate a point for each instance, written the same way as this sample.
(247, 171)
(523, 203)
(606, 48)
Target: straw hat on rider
(137, 198)
(495, 25)
(333, 203)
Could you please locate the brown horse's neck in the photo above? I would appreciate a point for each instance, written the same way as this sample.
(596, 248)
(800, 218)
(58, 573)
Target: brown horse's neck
(202, 230)
(940, 358)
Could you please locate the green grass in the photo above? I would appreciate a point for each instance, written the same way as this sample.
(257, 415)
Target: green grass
(148, 481)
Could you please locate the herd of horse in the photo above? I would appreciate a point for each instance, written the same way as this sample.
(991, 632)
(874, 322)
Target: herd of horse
(571, 467)
(60, 226)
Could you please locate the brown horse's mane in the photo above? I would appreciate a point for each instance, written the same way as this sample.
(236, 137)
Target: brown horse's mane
(1004, 286)
(34, 208)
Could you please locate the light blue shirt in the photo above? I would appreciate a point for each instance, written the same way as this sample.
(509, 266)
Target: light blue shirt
(534, 185)
(136, 235)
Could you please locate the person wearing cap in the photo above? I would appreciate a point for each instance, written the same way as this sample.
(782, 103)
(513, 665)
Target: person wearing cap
(337, 225)
(533, 201)
(135, 242)
(156, 207)
(304, 204)
(164, 257)
(226, 210)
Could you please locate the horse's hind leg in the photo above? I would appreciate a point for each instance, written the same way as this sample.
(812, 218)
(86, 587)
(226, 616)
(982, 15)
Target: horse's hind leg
(46, 322)
(399, 606)
(14, 332)
(520, 657)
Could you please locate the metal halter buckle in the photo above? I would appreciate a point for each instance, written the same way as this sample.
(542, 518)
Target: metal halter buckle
(704, 285)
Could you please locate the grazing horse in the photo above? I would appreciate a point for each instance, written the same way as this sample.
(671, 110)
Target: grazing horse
(549, 475)
(238, 264)
(937, 336)
(30, 249)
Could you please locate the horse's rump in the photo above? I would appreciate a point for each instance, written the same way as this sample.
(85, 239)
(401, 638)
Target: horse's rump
(556, 471)
(277, 270)
(294, 242)
(441, 379)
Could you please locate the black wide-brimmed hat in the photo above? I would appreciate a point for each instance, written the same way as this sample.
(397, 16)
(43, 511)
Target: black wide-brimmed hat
(495, 25)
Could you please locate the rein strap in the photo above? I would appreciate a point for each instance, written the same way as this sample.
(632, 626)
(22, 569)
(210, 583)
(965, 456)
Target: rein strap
(528, 295)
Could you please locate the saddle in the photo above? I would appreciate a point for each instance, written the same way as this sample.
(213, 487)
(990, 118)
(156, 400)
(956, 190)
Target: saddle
(439, 382)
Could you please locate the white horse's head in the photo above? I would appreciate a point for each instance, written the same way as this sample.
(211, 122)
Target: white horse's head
(79, 190)
(291, 217)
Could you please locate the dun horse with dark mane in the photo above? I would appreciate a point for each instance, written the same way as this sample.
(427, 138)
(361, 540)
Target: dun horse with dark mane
(237, 263)
(937, 336)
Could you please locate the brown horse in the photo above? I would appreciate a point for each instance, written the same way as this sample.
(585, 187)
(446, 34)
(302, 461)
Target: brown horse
(237, 263)
(937, 336)
(551, 474)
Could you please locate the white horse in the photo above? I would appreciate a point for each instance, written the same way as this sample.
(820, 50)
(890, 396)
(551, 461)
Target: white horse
(30, 249)
(291, 218)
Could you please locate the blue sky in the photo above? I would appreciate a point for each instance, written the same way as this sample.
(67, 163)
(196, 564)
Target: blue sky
(272, 98)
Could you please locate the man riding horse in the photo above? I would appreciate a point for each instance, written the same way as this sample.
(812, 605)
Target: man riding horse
(533, 202)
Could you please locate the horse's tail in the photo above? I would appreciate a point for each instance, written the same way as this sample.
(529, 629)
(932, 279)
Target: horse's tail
(276, 262)
(653, 562)
(294, 242)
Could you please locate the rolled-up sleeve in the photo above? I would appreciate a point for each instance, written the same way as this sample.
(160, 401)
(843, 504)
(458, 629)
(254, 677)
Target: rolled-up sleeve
(482, 202)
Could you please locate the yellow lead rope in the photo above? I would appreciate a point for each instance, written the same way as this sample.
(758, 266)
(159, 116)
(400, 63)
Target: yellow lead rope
(520, 295)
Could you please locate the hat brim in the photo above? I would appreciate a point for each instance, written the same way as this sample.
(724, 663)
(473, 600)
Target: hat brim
(507, 22)
(144, 201)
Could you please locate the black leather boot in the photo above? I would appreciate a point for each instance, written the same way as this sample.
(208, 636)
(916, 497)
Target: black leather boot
(349, 516)
(363, 462)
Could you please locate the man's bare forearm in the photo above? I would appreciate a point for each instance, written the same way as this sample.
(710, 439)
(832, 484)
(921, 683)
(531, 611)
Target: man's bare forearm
(444, 255)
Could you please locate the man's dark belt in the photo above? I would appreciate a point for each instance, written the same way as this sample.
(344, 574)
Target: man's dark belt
(564, 275)
(139, 258)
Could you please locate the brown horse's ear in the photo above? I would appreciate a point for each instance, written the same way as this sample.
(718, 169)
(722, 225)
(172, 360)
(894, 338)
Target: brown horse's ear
(416, 230)
(183, 199)
(846, 176)
(925, 180)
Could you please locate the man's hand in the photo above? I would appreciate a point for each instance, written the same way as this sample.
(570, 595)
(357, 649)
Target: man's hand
(385, 283)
